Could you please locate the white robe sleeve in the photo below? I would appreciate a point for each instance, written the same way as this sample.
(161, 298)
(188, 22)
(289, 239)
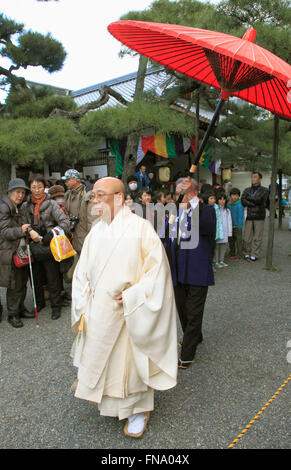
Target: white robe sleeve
(150, 314)
(81, 288)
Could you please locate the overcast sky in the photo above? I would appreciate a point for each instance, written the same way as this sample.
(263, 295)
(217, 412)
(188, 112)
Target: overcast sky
(81, 26)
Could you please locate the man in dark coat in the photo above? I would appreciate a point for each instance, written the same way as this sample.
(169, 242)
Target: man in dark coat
(189, 246)
(254, 199)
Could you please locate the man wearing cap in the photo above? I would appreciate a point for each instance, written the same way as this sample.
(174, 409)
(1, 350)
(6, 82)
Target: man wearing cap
(73, 201)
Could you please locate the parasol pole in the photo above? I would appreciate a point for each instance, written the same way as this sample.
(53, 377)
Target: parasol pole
(223, 97)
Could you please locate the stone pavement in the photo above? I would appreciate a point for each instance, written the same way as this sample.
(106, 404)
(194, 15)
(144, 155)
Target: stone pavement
(238, 368)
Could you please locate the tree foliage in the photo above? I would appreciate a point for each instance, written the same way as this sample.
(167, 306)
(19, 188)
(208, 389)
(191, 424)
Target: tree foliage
(35, 140)
(27, 48)
(36, 102)
(136, 117)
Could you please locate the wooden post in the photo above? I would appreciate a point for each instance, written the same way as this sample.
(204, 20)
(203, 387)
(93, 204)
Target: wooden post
(269, 257)
(280, 211)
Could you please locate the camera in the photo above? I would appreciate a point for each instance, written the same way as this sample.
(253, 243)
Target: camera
(73, 222)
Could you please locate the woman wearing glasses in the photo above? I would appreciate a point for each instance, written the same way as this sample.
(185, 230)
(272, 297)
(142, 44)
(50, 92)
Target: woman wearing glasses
(43, 214)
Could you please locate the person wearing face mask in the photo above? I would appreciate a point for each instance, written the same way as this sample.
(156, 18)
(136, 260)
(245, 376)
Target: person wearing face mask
(132, 186)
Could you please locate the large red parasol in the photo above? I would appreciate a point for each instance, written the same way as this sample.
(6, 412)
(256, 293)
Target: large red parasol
(236, 66)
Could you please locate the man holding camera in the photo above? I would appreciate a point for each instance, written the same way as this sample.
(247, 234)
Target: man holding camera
(73, 200)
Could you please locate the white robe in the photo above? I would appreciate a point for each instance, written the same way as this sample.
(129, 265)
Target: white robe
(124, 351)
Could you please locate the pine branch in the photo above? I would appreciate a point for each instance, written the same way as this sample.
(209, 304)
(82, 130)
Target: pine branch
(80, 112)
(13, 79)
(115, 95)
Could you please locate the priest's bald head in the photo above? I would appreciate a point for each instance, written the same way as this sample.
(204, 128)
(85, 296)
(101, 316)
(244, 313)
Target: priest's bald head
(108, 197)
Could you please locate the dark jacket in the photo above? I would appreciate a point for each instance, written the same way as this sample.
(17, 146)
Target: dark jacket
(194, 266)
(10, 235)
(51, 214)
(255, 200)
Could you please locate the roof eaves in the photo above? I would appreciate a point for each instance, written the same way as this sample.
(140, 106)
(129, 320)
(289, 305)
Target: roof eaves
(115, 81)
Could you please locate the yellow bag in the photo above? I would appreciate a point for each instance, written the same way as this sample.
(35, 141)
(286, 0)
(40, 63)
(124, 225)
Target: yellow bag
(60, 245)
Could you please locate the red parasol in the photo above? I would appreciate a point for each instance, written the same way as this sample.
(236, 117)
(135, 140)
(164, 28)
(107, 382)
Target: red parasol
(236, 66)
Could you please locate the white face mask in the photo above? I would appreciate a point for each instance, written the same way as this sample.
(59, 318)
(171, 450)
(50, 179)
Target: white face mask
(60, 201)
(133, 186)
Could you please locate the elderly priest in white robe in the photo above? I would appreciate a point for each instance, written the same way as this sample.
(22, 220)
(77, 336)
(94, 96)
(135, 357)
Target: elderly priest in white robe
(124, 313)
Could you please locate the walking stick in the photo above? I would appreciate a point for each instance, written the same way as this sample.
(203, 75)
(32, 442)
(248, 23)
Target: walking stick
(31, 279)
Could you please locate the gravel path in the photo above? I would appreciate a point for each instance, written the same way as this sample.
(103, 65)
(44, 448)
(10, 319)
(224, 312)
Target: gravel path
(238, 368)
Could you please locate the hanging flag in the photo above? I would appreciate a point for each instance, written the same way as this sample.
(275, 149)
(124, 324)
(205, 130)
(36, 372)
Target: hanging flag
(189, 143)
(118, 148)
(205, 157)
(164, 145)
(140, 153)
(160, 144)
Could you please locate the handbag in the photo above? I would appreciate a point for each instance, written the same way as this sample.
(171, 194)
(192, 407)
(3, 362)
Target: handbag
(21, 258)
(60, 245)
(40, 252)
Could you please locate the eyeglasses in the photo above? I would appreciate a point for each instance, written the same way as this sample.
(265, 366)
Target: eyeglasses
(100, 195)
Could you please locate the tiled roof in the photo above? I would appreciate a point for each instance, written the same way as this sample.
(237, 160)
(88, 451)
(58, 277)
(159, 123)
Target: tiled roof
(155, 78)
(124, 85)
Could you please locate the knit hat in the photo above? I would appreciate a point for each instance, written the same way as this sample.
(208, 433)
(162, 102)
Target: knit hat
(132, 178)
(17, 183)
(56, 191)
(71, 174)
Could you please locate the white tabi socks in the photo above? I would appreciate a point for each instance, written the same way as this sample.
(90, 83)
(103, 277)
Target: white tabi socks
(136, 423)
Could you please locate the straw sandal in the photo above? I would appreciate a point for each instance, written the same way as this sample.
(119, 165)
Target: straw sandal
(184, 364)
(74, 385)
(125, 429)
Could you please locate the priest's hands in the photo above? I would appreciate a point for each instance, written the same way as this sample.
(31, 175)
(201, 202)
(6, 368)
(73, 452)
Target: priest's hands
(119, 299)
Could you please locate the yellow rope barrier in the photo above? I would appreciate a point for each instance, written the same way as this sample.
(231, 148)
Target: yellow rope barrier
(259, 413)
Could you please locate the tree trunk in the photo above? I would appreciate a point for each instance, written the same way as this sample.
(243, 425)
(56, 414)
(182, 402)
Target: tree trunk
(5, 177)
(280, 211)
(269, 257)
(133, 139)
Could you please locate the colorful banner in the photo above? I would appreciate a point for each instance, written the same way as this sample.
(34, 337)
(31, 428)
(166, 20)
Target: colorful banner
(164, 145)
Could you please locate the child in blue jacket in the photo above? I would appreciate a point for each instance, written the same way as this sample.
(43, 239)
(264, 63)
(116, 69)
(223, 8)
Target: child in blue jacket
(237, 215)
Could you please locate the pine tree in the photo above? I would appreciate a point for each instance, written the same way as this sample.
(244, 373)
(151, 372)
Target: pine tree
(26, 48)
